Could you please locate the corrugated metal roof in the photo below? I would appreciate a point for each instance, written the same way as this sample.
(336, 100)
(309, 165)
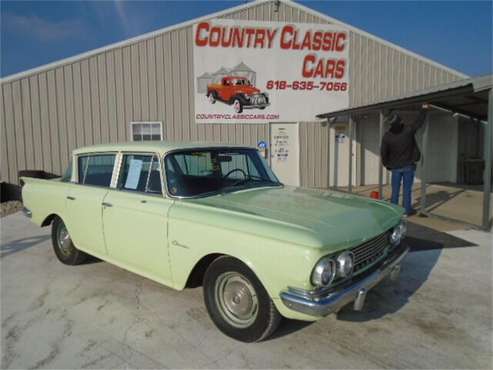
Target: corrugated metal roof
(467, 96)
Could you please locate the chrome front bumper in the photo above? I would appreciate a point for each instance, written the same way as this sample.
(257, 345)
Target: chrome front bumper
(333, 301)
(252, 106)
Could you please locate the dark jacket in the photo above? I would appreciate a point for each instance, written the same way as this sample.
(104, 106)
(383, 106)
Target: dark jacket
(399, 148)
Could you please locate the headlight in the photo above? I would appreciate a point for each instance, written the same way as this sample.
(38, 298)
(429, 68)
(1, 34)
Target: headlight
(398, 233)
(247, 97)
(324, 272)
(345, 264)
(395, 237)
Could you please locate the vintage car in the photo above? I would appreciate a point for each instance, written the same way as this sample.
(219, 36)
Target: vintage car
(187, 215)
(239, 92)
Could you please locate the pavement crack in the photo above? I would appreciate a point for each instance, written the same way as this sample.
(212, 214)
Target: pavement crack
(10, 339)
(40, 300)
(46, 360)
(96, 360)
(7, 320)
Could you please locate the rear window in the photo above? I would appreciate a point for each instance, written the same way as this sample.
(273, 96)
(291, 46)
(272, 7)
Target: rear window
(96, 170)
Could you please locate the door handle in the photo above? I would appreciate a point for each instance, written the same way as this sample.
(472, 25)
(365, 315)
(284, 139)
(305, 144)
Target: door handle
(104, 204)
(70, 198)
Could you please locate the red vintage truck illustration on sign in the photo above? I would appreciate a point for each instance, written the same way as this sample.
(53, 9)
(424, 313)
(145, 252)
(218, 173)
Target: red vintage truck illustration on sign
(239, 92)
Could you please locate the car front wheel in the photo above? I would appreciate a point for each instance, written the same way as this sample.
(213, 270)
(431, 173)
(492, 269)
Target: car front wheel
(212, 98)
(238, 106)
(63, 246)
(237, 302)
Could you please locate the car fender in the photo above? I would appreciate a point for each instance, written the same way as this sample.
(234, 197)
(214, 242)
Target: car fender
(195, 231)
(42, 198)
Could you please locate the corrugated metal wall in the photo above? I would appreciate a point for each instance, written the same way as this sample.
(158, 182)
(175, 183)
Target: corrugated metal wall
(46, 115)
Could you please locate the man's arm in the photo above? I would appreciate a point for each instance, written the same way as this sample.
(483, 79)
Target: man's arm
(420, 120)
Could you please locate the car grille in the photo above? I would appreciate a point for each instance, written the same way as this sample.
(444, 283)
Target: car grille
(370, 251)
(258, 99)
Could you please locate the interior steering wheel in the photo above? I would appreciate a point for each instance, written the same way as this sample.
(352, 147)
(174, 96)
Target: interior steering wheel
(236, 170)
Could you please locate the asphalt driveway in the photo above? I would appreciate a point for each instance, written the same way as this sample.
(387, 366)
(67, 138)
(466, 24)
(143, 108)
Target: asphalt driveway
(100, 316)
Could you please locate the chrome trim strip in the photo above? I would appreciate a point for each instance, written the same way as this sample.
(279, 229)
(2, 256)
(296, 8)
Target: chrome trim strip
(255, 106)
(27, 212)
(116, 170)
(333, 301)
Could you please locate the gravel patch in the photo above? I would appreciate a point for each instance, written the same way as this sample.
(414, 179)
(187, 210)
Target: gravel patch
(9, 207)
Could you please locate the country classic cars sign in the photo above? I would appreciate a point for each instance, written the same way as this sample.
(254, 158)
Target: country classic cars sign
(258, 72)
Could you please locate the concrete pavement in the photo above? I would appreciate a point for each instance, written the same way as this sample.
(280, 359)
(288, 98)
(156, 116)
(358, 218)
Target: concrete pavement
(100, 316)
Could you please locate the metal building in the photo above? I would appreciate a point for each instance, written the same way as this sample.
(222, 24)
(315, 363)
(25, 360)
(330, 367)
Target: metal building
(143, 87)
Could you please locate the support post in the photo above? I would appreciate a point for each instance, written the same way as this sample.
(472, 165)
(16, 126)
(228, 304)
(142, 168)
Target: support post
(488, 140)
(380, 165)
(424, 147)
(350, 180)
(336, 162)
(328, 154)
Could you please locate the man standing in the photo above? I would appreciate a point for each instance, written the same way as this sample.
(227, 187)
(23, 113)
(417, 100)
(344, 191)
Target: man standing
(400, 153)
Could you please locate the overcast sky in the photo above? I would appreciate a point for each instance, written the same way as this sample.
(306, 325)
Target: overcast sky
(455, 33)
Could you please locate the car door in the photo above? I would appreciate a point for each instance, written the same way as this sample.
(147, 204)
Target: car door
(135, 217)
(226, 91)
(84, 199)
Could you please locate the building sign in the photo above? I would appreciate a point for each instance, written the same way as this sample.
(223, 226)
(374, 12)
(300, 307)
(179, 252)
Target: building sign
(258, 72)
(281, 144)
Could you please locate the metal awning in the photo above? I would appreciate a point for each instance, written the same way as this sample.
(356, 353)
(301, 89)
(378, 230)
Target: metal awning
(468, 97)
(472, 97)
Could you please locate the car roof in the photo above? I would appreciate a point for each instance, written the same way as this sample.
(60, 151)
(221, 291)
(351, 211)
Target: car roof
(160, 147)
(235, 78)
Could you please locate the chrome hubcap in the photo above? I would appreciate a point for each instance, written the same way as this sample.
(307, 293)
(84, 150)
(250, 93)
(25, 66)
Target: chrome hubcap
(237, 106)
(63, 238)
(236, 299)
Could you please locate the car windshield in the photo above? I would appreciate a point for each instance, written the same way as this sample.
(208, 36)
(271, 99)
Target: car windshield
(242, 82)
(204, 172)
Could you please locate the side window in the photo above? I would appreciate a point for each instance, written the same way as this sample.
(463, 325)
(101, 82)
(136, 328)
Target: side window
(96, 169)
(140, 173)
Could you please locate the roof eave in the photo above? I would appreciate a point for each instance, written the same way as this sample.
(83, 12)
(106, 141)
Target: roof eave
(401, 102)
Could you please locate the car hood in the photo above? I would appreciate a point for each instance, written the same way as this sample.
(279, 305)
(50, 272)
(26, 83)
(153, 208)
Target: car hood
(249, 90)
(309, 217)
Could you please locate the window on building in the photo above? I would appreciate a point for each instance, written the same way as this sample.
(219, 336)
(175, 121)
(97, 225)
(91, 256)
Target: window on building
(140, 173)
(145, 131)
(96, 169)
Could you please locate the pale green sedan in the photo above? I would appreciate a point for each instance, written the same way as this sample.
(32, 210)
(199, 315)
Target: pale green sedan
(213, 215)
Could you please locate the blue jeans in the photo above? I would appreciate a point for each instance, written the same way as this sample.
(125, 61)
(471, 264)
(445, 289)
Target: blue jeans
(406, 175)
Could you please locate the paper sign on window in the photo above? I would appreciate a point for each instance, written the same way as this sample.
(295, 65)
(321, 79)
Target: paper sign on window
(133, 176)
